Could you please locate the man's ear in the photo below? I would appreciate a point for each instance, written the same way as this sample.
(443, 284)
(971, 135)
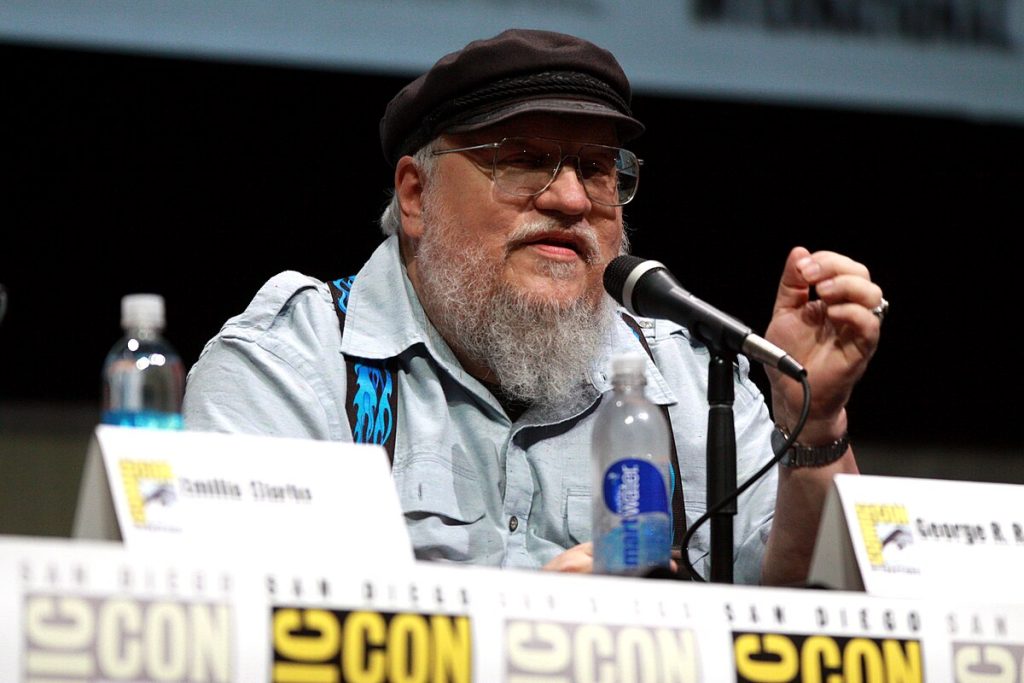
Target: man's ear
(409, 190)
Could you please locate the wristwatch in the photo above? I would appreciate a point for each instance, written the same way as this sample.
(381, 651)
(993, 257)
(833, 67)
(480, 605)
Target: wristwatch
(800, 455)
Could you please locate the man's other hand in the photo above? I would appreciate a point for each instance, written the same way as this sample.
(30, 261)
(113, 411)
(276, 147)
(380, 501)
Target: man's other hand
(577, 560)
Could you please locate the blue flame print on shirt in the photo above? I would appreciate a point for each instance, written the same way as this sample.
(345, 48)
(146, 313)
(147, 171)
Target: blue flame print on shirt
(344, 285)
(374, 385)
(374, 420)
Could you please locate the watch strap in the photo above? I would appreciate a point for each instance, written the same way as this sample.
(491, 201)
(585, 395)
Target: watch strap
(800, 455)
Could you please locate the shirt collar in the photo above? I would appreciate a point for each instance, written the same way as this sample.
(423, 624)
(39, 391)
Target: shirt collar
(624, 340)
(384, 313)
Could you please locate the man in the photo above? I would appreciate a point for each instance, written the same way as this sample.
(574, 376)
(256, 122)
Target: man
(483, 321)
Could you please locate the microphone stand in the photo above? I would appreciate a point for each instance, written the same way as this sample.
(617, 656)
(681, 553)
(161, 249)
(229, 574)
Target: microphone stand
(721, 463)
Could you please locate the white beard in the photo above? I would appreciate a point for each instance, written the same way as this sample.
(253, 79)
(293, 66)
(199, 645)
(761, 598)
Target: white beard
(538, 350)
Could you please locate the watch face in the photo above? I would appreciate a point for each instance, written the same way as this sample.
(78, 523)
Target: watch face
(778, 441)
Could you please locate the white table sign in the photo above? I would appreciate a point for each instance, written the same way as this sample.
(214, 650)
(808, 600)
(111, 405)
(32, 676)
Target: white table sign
(902, 537)
(241, 494)
(73, 610)
(82, 611)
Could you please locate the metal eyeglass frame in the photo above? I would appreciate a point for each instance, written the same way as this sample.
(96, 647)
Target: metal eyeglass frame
(558, 167)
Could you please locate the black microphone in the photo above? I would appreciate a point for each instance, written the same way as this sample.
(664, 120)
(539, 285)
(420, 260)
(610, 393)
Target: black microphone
(646, 288)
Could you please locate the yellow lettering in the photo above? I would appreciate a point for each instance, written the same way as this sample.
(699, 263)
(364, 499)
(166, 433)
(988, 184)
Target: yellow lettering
(868, 516)
(820, 653)
(323, 644)
(862, 662)
(131, 472)
(902, 665)
(146, 470)
(872, 544)
(319, 647)
(783, 669)
(363, 630)
(408, 649)
(453, 647)
(288, 672)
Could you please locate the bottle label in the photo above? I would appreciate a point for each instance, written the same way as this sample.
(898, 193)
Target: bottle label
(635, 492)
(633, 487)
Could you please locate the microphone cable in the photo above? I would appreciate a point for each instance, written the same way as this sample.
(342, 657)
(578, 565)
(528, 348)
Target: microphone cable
(685, 543)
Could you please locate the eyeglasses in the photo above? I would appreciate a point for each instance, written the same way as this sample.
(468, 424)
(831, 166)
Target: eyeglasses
(525, 167)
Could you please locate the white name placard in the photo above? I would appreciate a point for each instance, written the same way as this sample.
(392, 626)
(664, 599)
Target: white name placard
(902, 537)
(241, 494)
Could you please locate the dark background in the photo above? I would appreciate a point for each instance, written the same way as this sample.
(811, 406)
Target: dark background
(199, 180)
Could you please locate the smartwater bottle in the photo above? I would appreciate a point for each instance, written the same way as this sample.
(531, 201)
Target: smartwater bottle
(632, 519)
(143, 376)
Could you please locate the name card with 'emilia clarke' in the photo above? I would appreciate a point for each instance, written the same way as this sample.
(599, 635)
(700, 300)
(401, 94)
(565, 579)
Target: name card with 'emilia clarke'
(270, 496)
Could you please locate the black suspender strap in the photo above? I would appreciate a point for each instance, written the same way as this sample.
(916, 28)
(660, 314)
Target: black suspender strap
(371, 400)
(678, 504)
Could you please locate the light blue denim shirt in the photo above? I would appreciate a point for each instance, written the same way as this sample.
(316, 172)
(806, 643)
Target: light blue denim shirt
(475, 487)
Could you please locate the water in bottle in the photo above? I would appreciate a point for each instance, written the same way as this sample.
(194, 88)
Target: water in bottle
(143, 376)
(632, 519)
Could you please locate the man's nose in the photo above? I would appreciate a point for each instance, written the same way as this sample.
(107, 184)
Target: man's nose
(566, 193)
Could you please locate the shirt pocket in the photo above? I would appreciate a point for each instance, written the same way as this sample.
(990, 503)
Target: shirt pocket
(431, 486)
(444, 509)
(578, 515)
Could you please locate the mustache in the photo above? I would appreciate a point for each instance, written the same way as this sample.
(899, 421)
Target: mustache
(581, 234)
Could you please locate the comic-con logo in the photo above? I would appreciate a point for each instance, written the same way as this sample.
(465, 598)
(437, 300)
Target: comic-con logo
(312, 645)
(147, 484)
(71, 638)
(788, 658)
(560, 652)
(885, 529)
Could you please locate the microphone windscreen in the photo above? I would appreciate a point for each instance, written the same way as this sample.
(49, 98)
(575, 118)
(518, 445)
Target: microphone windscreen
(617, 272)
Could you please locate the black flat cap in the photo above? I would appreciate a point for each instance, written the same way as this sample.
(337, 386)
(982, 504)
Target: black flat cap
(516, 72)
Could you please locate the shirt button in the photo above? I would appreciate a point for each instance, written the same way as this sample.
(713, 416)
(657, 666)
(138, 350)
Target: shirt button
(513, 523)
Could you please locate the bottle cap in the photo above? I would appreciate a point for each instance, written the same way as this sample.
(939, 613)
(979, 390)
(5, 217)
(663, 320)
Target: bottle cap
(629, 364)
(142, 310)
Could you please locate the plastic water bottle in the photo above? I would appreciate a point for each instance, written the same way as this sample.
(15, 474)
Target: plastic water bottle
(143, 376)
(632, 519)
